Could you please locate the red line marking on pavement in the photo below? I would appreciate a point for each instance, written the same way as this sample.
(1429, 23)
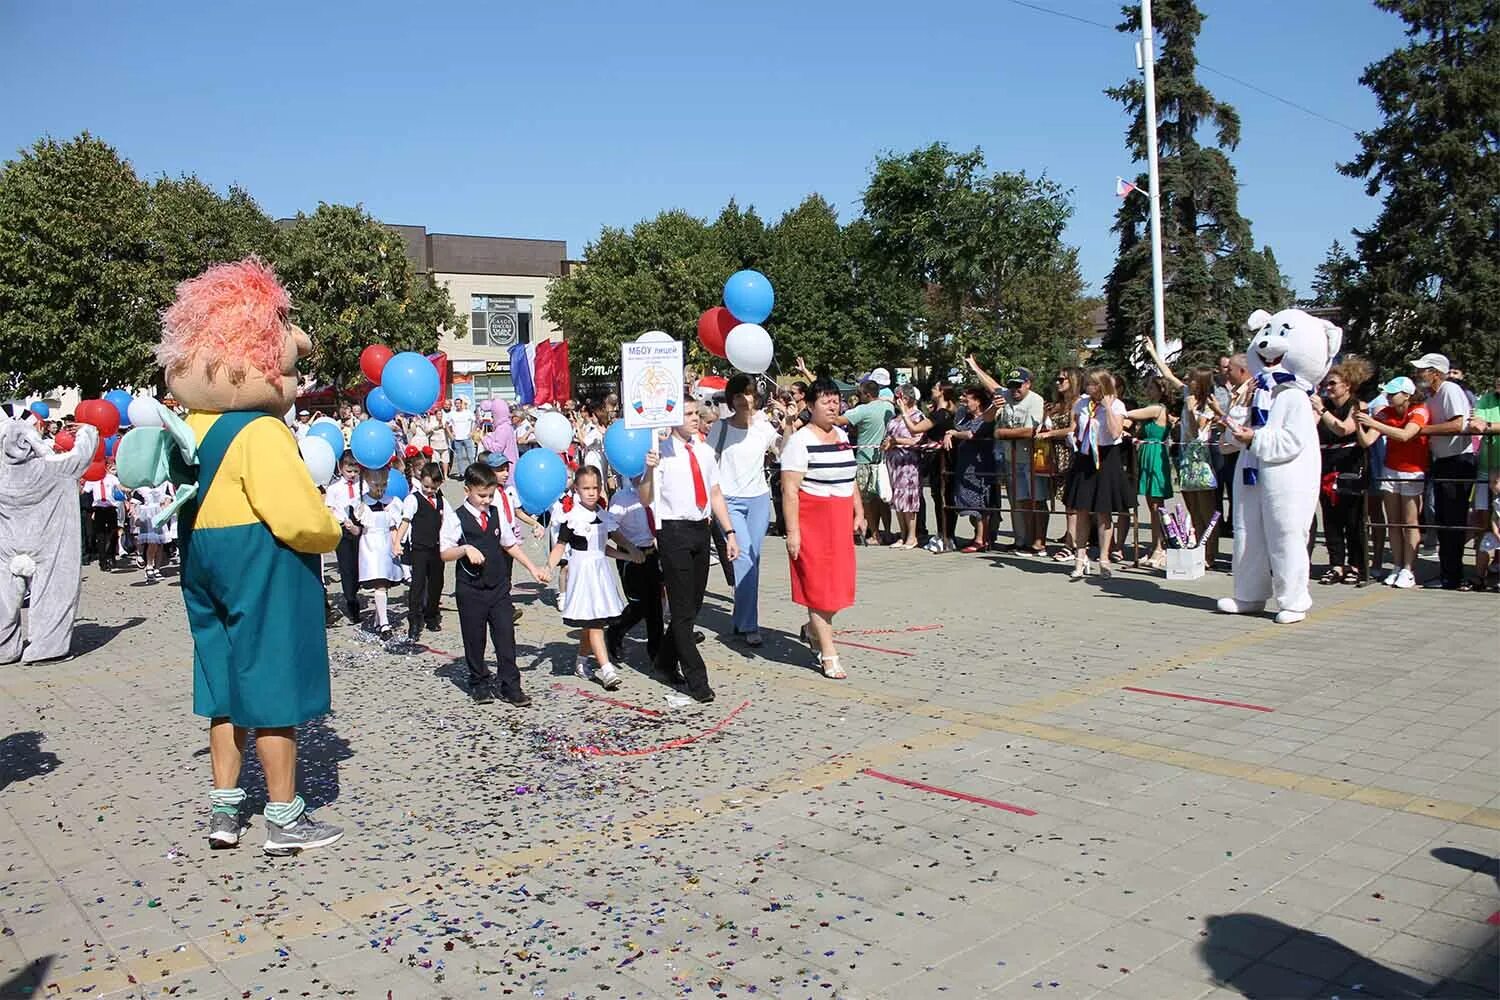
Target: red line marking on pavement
(887, 631)
(1193, 697)
(591, 696)
(1494, 918)
(877, 649)
(961, 796)
(676, 744)
(436, 652)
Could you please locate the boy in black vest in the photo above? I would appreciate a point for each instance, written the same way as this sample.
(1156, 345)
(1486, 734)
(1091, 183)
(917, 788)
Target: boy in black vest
(422, 516)
(479, 536)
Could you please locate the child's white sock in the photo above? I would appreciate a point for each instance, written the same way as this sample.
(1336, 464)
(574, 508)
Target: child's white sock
(380, 616)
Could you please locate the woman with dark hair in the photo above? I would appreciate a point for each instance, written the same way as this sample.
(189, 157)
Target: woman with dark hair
(1155, 478)
(934, 428)
(823, 514)
(972, 443)
(1057, 429)
(1195, 469)
(1096, 488)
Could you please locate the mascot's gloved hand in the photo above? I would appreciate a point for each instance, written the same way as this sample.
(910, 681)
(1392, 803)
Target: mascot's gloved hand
(150, 456)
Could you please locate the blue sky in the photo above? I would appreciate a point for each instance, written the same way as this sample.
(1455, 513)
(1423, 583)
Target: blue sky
(552, 119)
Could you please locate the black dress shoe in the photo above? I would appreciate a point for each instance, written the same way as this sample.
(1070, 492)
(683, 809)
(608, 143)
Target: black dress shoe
(701, 697)
(433, 625)
(519, 699)
(482, 693)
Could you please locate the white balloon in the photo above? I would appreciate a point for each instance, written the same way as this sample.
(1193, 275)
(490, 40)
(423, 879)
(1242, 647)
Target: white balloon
(324, 418)
(553, 431)
(655, 337)
(144, 411)
(748, 348)
(319, 458)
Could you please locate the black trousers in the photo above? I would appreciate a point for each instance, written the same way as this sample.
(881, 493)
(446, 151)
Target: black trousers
(347, 556)
(642, 584)
(1453, 512)
(682, 548)
(106, 529)
(489, 611)
(86, 522)
(939, 480)
(425, 591)
(1229, 464)
(1344, 529)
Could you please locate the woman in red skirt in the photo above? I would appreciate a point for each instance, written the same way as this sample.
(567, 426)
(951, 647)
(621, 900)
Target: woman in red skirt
(823, 514)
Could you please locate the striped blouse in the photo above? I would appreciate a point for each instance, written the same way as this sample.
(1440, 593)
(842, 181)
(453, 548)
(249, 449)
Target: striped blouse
(827, 469)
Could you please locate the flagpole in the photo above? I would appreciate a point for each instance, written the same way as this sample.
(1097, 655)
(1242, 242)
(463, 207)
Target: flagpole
(1148, 64)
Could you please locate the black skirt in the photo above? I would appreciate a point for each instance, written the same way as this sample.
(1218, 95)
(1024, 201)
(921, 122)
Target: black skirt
(1100, 489)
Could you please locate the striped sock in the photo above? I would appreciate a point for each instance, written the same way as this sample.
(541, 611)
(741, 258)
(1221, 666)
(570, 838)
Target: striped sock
(227, 800)
(285, 813)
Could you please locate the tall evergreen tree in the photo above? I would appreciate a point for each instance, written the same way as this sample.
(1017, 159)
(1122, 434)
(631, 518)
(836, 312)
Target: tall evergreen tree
(1214, 277)
(1431, 262)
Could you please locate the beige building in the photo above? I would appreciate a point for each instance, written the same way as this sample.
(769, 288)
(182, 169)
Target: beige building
(500, 285)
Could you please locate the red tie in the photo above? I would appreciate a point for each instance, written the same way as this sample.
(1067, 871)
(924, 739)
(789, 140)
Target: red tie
(484, 522)
(506, 501)
(700, 491)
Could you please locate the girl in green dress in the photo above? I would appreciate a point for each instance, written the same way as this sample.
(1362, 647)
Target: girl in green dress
(1155, 475)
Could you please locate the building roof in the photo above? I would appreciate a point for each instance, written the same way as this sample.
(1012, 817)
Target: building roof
(449, 253)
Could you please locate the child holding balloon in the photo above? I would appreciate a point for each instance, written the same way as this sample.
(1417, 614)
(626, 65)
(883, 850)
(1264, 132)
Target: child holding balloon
(378, 516)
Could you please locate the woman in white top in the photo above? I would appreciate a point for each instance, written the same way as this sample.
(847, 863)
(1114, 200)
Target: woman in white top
(740, 443)
(1096, 488)
(823, 514)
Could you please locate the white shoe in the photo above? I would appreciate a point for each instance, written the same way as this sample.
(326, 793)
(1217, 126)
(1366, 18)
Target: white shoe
(1390, 581)
(1405, 580)
(1290, 617)
(581, 668)
(1230, 606)
(607, 676)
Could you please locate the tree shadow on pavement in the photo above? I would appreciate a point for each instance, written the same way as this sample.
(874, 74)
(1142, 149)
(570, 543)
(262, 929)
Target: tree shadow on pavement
(22, 758)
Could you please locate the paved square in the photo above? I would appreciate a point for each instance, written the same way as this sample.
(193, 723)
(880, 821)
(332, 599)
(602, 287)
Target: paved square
(1027, 787)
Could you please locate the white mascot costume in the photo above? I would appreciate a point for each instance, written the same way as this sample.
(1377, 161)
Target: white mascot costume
(1281, 468)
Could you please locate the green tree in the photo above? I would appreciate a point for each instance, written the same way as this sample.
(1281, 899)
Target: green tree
(815, 295)
(1430, 265)
(194, 227)
(988, 250)
(1335, 279)
(742, 237)
(1213, 276)
(352, 286)
(77, 304)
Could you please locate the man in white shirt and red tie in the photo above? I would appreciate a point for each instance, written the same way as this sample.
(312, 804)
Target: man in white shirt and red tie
(681, 486)
(342, 496)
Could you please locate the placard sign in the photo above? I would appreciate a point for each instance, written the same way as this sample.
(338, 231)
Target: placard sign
(651, 383)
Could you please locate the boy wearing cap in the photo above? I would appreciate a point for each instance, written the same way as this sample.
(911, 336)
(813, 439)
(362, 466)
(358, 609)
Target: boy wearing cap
(1453, 461)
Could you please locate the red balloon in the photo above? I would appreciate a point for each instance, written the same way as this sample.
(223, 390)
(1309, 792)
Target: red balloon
(94, 473)
(101, 413)
(372, 361)
(63, 442)
(99, 452)
(713, 326)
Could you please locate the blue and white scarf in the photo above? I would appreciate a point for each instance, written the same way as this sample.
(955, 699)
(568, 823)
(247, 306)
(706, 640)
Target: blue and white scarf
(1266, 384)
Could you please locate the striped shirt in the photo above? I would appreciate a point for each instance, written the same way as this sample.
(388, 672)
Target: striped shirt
(827, 469)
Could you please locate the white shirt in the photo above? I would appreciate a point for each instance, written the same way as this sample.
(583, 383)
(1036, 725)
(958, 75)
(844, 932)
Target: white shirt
(409, 506)
(340, 497)
(1449, 402)
(827, 469)
(451, 536)
(1100, 431)
(104, 491)
(461, 423)
(628, 510)
(742, 455)
(675, 499)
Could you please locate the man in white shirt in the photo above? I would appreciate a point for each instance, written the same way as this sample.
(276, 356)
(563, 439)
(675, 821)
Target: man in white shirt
(460, 421)
(641, 581)
(681, 486)
(104, 513)
(1454, 463)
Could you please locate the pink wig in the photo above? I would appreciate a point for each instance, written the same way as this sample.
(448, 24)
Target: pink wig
(232, 316)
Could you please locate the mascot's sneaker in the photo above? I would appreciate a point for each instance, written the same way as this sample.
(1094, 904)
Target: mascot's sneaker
(225, 830)
(1230, 606)
(1290, 617)
(302, 835)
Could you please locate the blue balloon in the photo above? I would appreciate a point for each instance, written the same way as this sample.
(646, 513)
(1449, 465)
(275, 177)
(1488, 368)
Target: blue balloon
(373, 444)
(626, 449)
(379, 405)
(41, 409)
(410, 382)
(110, 444)
(329, 432)
(120, 400)
(397, 486)
(748, 295)
(541, 477)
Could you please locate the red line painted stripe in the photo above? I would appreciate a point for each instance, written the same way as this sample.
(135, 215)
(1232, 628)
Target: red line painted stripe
(877, 649)
(1494, 919)
(591, 696)
(676, 744)
(1193, 697)
(961, 796)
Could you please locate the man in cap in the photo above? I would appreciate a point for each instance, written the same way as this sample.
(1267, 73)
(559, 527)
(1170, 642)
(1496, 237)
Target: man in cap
(867, 424)
(1018, 423)
(1454, 463)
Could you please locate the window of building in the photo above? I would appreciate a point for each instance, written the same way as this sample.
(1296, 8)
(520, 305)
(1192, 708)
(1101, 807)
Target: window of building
(499, 320)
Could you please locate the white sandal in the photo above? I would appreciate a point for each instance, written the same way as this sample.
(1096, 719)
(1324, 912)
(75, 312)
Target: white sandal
(830, 667)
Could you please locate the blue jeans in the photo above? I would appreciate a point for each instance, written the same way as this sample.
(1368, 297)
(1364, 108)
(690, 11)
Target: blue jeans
(750, 517)
(463, 455)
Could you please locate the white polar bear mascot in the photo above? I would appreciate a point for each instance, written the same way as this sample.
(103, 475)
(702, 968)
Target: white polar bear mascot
(1281, 467)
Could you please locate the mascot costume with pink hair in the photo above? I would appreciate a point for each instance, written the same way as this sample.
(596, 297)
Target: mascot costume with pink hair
(252, 525)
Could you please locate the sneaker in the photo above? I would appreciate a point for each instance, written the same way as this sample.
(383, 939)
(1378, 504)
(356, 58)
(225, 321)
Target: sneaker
(1405, 580)
(1390, 580)
(302, 835)
(224, 830)
(386, 632)
(753, 638)
(519, 700)
(607, 676)
(581, 668)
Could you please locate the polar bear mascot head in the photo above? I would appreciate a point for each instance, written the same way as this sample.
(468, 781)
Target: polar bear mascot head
(1291, 346)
